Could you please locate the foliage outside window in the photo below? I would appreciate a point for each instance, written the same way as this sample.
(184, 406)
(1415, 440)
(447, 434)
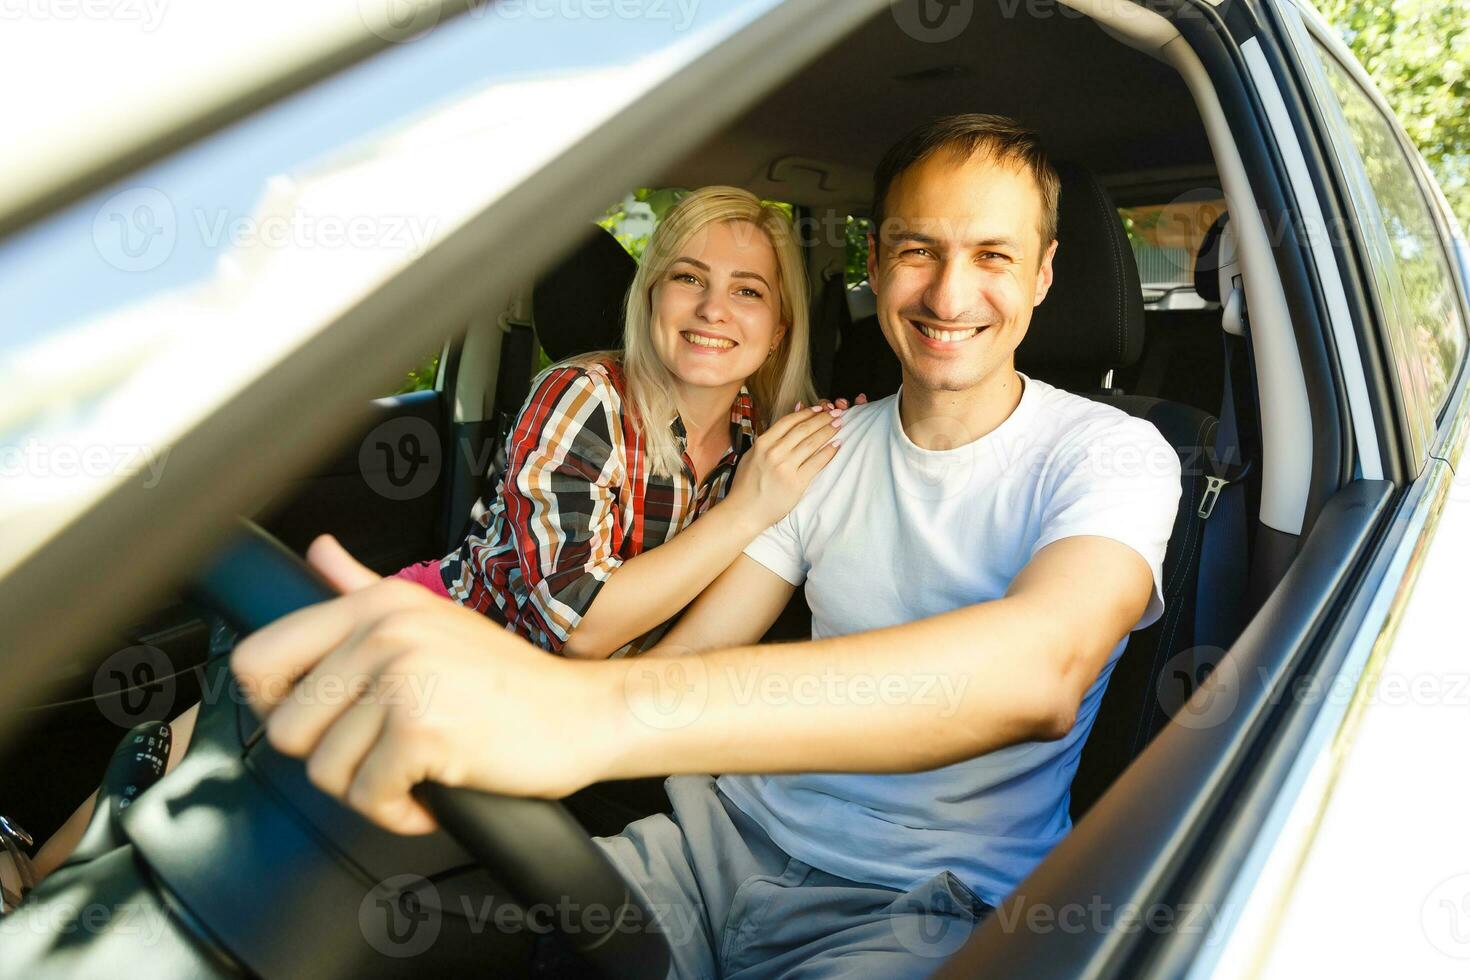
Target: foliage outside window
(857, 250)
(1414, 278)
(1418, 54)
(421, 378)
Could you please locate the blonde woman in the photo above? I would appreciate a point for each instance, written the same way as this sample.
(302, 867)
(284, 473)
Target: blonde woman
(635, 477)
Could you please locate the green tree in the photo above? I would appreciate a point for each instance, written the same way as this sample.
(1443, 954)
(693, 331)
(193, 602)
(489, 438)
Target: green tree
(1418, 54)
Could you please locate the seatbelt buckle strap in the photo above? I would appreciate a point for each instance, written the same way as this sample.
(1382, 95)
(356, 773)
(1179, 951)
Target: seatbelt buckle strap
(1213, 486)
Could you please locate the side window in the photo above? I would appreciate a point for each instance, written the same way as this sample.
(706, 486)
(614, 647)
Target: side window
(1411, 274)
(633, 219)
(421, 378)
(856, 234)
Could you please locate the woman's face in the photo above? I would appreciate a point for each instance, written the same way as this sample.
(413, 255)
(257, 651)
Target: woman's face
(717, 311)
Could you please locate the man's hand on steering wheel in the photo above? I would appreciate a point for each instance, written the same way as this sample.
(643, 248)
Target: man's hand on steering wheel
(390, 686)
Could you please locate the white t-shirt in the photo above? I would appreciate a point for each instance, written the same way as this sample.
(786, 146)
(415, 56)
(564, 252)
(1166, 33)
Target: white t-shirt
(890, 533)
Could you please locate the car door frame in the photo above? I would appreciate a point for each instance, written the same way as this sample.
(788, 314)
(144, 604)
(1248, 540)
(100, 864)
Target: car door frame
(1186, 831)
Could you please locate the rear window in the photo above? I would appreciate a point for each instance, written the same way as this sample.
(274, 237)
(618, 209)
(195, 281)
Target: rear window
(1166, 239)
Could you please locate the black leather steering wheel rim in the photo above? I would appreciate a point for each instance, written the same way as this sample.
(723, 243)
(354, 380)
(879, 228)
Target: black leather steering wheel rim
(534, 847)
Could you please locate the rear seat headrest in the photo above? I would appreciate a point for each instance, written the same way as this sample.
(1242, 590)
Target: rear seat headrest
(1093, 316)
(578, 305)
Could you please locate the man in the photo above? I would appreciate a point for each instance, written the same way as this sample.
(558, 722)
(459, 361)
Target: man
(974, 557)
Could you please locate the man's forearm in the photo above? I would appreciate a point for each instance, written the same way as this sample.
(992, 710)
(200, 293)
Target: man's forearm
(902, 699)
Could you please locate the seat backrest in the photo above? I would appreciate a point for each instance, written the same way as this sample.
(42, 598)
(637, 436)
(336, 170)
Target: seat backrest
(577, 305)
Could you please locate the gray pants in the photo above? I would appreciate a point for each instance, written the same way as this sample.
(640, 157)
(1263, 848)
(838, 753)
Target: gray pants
(734, 905)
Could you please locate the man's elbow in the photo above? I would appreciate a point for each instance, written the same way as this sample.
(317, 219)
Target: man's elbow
(1055, 702)
(1057, 705)
(1054, 717)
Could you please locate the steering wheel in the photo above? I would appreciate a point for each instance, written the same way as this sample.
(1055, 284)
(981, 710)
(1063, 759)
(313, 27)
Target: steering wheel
(532, 849)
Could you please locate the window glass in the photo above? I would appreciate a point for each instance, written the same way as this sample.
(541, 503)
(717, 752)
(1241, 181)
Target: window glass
(1412, 276)
(632, 219)
(1166, 239)
(421, 378)
(857, 249)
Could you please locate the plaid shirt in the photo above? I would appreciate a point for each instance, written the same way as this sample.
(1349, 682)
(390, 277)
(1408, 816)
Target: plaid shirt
(576, 501)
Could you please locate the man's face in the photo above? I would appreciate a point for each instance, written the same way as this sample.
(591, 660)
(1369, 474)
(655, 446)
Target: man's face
(959, 268)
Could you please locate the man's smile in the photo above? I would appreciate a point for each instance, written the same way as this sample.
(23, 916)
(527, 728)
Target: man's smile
(944, 338)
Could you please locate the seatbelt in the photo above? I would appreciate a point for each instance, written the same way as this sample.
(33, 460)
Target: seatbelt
(1220, 593)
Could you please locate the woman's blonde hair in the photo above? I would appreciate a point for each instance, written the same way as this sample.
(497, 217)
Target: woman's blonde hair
(777, 385)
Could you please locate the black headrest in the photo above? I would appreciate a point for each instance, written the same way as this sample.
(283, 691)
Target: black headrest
(1207, 263)
(1093, 316)
(578, 305)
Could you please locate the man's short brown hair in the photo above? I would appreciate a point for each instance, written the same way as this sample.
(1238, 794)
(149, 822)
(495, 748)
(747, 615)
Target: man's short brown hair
(998, 137)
